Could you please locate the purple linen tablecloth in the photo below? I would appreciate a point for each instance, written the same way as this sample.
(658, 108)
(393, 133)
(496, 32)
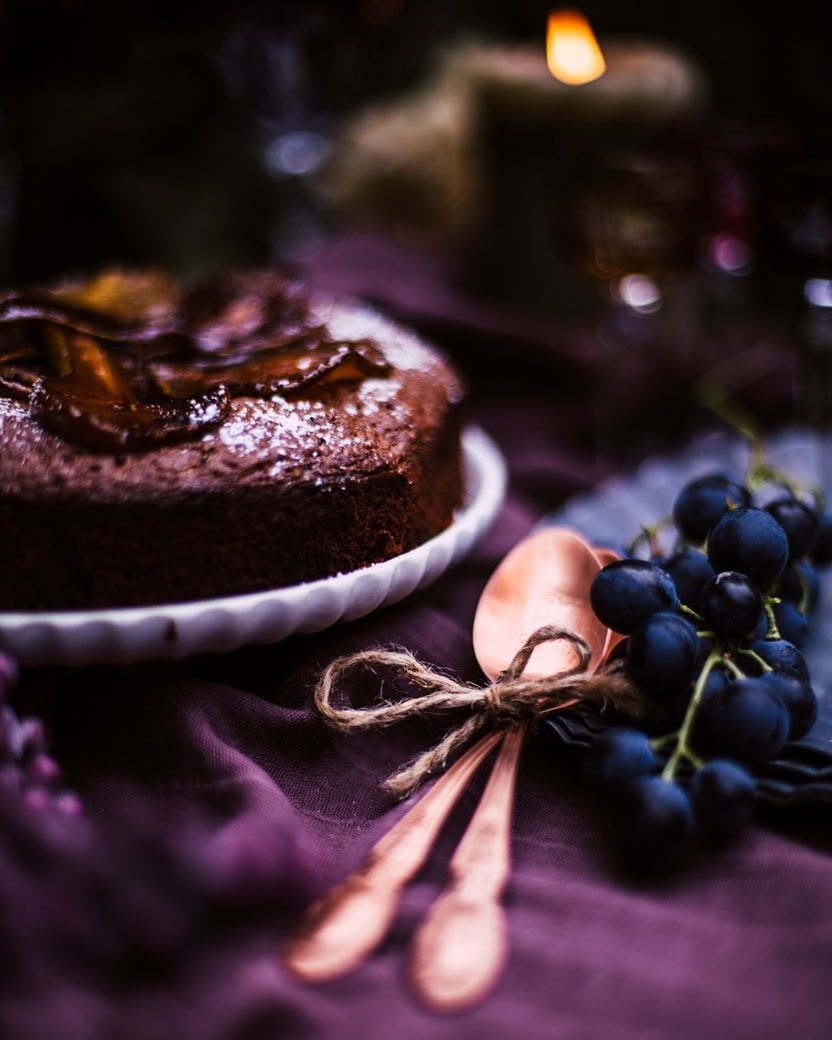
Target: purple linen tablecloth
(223, 755)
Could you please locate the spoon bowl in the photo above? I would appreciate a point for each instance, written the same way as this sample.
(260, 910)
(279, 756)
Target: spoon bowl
(544, 580)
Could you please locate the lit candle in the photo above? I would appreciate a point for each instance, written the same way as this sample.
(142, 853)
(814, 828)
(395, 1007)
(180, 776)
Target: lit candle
(425, 163)
(572, 52)
(577, 81)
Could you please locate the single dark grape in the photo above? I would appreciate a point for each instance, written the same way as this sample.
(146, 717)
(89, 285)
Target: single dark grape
(792, 624)
(732, 603)
(663, 654)
(701, 503)
(653, 823)
(617, 754)
(690, 570)
(626, 592)
(820, 551)
(751, 541)
(782, 656)
(722, 793)
(748, 720)
(800, 700)
(798, 521)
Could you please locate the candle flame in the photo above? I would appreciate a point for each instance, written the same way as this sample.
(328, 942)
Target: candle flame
(572, 52)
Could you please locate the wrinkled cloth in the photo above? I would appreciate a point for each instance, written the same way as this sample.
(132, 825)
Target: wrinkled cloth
(735, 943)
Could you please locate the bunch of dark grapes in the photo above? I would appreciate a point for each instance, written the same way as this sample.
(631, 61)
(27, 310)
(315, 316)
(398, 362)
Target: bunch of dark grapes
(98, 912)
(714, 632)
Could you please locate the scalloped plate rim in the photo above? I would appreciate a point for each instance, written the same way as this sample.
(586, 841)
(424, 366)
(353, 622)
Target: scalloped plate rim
(128, 635)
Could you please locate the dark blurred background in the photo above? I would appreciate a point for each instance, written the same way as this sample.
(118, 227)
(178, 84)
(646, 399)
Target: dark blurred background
(145, 130)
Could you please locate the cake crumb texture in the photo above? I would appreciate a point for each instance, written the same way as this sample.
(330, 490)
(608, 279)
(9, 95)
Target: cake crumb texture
(354, 468)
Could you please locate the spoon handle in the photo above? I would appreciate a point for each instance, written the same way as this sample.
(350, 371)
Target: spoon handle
(461, 946)
(341, 929)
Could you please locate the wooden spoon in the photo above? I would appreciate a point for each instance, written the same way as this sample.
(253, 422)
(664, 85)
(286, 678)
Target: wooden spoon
(460, 949)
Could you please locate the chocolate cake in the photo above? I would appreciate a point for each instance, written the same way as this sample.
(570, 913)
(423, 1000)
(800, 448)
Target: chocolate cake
(166, 442)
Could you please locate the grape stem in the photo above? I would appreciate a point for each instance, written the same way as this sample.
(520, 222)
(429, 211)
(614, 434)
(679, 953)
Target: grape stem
(772, 631)
(682, 749)
(759, 472)
(764, 666)
(733, 667)
(689, 612)
(649, 534)
(803, 606)
(714, 398)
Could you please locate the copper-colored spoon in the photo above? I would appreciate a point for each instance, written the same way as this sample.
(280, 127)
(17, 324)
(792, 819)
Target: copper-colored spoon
(346, 925)
(461, 946)
(544, 580)
(459, 951)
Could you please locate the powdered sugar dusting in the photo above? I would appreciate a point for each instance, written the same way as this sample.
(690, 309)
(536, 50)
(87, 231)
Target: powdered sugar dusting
(350, 320)
(353, 427)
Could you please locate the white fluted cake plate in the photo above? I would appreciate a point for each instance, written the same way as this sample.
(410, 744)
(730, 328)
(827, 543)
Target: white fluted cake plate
(173, 631)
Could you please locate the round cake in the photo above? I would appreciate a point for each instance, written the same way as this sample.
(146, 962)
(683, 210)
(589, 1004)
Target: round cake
(166, 442)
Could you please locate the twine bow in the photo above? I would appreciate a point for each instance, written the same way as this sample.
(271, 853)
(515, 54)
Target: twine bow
(509, 698)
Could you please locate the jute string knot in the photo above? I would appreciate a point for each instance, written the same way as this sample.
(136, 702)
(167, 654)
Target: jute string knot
(509, 698)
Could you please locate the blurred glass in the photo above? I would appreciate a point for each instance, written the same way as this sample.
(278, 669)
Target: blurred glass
(631, 218)
(633, 211)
